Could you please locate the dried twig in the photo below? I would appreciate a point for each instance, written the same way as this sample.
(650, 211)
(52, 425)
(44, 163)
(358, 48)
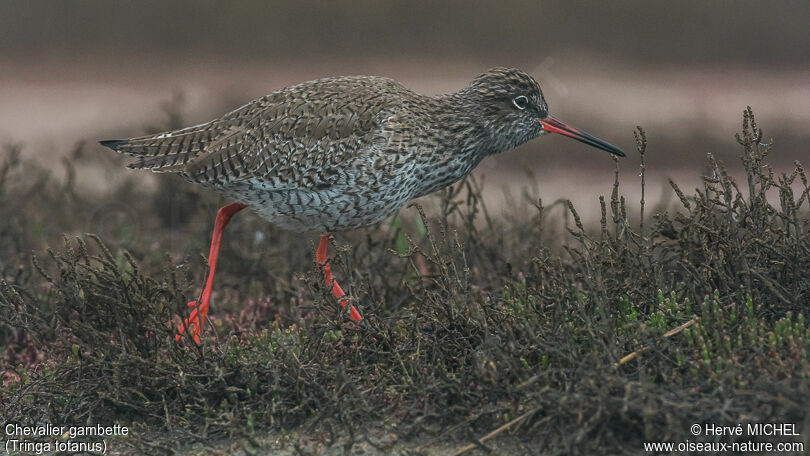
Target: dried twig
(494, 433)
(641, 350)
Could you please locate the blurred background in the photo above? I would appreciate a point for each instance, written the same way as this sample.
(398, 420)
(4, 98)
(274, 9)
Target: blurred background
(73, 71)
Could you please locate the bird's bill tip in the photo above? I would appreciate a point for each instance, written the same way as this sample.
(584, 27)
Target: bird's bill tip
(553, 125)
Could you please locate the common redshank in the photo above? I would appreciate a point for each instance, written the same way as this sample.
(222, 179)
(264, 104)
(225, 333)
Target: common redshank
(342, 153)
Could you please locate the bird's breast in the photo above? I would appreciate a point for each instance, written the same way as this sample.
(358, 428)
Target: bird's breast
(439, 170)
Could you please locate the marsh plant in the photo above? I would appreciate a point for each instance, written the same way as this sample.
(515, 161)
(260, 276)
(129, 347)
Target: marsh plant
(590, 340)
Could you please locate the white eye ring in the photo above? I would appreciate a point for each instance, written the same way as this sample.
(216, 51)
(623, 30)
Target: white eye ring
(520, 102)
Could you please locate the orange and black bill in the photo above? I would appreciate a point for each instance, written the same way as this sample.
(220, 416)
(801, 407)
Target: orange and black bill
(555, 126)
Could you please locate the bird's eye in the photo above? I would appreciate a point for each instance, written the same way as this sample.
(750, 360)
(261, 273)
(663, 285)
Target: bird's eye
(520, 102)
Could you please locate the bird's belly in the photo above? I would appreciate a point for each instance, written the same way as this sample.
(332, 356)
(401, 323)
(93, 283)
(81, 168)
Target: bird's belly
(337, 208)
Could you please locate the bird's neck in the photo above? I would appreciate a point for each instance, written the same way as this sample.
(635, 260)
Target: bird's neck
(456, 137)
(461, 127)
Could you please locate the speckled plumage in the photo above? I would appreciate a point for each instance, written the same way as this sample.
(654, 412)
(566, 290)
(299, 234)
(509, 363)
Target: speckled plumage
(343, 153)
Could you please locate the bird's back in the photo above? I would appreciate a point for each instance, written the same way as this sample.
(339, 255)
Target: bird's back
(290, 138)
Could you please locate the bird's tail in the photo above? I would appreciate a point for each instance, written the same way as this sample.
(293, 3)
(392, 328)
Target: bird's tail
(164, 152)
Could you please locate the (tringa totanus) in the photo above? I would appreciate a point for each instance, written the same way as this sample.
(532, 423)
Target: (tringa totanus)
(341, 153)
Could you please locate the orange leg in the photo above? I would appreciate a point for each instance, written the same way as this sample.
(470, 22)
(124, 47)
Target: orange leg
(195, 320)
(337, 292)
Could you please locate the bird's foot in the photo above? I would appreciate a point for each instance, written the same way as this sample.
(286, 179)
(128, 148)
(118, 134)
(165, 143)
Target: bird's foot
(321, 256)
(338, 293)
(194, 322)
(353, 314)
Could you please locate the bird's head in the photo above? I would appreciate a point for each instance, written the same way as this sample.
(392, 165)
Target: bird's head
(514, 111)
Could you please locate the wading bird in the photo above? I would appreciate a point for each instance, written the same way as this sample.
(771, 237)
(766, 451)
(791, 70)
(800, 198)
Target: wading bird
(342, 153)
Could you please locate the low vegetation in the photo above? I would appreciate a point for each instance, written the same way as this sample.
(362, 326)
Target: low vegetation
(579, 340)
